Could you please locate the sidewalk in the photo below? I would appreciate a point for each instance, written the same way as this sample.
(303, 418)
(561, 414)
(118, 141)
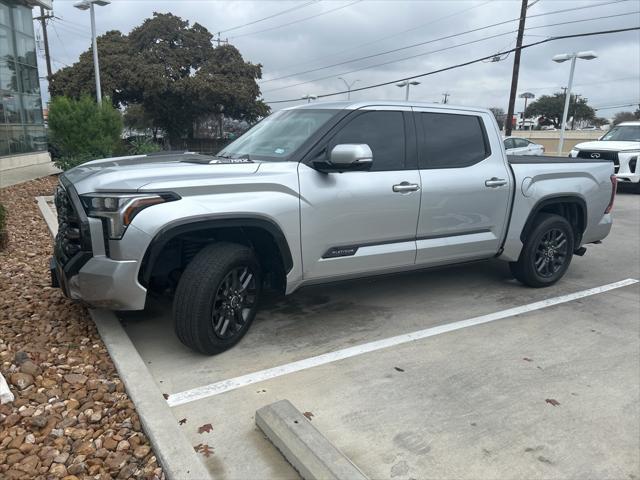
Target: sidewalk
(23, 174)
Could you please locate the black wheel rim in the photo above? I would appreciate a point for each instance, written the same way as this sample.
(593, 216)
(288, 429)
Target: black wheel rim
(234, 300)
(551, 253)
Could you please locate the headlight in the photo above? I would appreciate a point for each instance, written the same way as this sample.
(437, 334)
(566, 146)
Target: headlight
(574, 152)
(117, 210)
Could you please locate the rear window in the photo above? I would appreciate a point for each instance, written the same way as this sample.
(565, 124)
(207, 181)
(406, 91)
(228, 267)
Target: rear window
(451, 141)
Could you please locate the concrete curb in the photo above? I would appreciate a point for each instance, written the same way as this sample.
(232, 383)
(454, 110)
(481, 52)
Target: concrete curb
(174, 452)
(304, 447)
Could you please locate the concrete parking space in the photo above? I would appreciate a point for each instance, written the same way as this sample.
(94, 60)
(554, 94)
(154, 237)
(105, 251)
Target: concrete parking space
(553, 392)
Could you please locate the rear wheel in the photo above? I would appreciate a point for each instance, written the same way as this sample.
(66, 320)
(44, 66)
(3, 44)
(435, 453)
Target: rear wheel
(217, 297)
(547, 252)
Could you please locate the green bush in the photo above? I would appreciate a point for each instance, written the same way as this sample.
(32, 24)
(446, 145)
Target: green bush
(142, 146)
(81, 130)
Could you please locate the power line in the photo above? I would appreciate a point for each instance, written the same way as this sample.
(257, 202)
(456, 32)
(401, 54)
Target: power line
(429, 53)
(446, 37)
(397, 34)
(634, 104)
(464, 64)
(283, 12)
(301, 20)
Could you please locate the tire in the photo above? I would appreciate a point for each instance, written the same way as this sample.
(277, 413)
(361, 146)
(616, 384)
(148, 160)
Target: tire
(547, 252)
(216, 300)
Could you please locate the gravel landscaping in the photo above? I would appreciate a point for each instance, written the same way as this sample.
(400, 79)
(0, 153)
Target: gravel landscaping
(71, 417)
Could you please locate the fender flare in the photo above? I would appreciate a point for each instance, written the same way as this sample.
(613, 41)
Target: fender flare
(545, 202)
(180, 227)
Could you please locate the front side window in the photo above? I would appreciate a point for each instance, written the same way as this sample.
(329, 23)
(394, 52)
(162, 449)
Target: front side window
(383, 131)
(278, 136)
(521, 142)
(508, 143)
(623, 133)
(451, 141)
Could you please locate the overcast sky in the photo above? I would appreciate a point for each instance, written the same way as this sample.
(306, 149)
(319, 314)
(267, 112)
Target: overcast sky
(341, 31)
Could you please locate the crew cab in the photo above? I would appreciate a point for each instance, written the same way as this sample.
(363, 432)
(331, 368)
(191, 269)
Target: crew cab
(314, 194)
(621, 145)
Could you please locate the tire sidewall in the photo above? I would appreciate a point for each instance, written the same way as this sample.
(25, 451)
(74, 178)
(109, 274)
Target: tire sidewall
(549, 223)
(206, 328)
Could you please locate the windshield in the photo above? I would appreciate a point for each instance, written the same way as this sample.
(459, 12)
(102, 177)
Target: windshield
(623, 133)
(276, 137)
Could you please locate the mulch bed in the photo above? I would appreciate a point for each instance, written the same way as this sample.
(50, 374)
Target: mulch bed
(71, 417)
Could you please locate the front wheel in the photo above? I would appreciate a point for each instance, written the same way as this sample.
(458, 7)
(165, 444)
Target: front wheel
(217, 297)
(547, 252)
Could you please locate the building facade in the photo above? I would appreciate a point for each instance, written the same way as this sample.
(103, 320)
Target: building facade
(23, 137)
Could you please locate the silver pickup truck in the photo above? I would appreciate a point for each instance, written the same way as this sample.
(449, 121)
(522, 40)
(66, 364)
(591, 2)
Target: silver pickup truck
(314, 194)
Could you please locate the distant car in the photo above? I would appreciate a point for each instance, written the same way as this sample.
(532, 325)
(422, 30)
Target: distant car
(590, 127)
(522, 146)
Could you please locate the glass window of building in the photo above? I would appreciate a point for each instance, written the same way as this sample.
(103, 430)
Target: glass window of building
(21, 123)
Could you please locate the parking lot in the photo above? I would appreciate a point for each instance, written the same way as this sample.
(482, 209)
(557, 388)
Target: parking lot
(553, 392)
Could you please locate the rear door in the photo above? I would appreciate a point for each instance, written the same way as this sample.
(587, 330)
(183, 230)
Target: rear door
(465, 186)
(358, 222)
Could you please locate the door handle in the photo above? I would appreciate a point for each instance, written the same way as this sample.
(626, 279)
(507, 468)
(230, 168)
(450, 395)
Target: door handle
(495, 182)
(406, 187)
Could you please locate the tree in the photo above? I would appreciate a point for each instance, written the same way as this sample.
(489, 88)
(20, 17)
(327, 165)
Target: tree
(172, 71)
(624, 117)
(599, 121)
(500, 116)
(552, 106)
(83, 130)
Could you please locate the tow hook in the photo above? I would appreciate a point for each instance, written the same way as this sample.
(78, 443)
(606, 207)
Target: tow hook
(580, 251)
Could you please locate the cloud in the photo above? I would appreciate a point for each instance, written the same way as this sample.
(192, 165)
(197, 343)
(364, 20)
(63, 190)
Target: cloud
(370, 27)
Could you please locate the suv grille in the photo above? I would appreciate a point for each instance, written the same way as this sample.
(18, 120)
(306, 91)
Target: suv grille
(68, 241)
(601, 155)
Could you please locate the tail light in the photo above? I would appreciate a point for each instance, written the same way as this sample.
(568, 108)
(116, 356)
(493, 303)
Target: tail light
(614, 187)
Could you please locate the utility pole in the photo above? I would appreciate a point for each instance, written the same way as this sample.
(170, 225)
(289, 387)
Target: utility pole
(220, 41)
(445, 97)
(516, 70)
(43, 21)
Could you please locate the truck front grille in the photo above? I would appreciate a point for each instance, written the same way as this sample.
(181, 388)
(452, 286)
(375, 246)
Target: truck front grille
(69, 239)
(601, 155)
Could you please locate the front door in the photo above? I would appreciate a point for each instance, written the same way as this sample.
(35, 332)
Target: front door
(358, 222)
(466, 186)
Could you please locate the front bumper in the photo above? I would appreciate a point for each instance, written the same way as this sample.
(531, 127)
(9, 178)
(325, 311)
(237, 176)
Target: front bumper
(628, 177)
(102, 283)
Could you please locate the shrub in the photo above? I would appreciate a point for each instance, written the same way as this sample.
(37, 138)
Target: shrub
(82, 130)
(142, 145)
(4, 235)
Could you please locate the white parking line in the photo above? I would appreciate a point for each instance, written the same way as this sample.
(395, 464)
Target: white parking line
(217, 388)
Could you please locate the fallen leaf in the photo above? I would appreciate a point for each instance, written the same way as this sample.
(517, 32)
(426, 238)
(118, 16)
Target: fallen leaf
(527, 359)
(197, 447)
(182, 422)
(308, 415)
(206, 450)
(399, 369)
(166, 396)
(552, 401)
(205, 428)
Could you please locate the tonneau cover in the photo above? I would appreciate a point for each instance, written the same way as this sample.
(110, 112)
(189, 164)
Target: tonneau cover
(517, 159)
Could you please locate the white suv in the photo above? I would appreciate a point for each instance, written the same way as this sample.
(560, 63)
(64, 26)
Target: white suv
(620, 144)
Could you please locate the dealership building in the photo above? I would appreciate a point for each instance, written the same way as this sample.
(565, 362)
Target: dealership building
(23, 136)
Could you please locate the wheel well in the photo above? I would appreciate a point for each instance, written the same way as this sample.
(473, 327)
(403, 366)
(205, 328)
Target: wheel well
(171, 252)
(571, 208)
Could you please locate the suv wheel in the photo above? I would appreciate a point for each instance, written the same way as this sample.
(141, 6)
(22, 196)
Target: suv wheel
(547, 252)
(217, 297)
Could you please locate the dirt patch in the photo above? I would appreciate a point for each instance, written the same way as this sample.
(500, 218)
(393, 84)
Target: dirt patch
(71, 416)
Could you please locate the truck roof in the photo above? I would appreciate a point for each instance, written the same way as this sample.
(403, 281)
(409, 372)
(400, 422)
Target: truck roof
(634, 123)
(353, 105)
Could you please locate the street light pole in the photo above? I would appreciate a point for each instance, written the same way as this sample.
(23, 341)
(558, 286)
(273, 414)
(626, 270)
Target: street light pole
(96, 64)
(407, 84)
(589, 55)
(349, 86)
(89, 5)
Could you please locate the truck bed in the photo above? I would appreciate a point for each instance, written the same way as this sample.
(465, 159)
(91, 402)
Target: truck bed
(519, 159)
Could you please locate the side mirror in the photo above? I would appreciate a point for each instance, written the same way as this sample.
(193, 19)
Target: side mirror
(347, 157)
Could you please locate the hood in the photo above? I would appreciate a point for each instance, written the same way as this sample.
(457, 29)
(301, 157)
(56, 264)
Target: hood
(608, 145)
(133, 173)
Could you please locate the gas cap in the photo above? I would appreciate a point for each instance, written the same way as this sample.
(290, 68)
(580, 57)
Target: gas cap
(528, 187)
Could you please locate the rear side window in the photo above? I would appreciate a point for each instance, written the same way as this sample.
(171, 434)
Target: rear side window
(383, 131)
(451, 141)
